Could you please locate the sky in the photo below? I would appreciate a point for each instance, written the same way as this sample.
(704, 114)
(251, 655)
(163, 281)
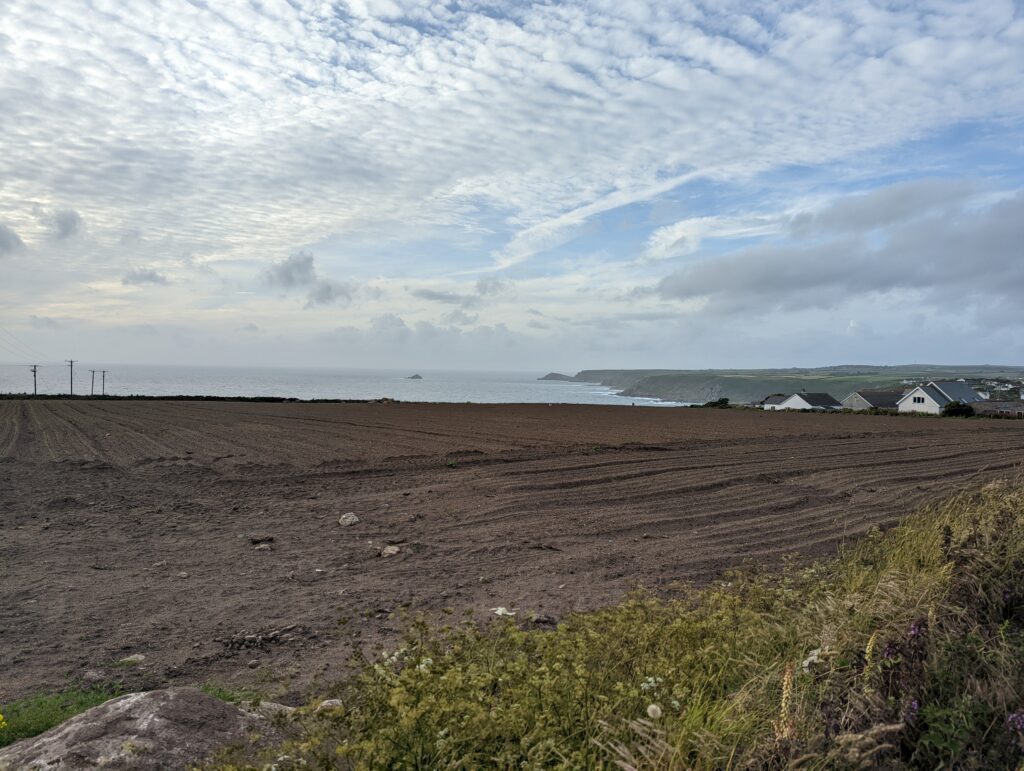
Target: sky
(499, 185)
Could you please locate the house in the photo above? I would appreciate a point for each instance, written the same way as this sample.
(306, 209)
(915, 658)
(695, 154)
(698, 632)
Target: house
(806, 401)
(873, 399)
(1002, 409)
(772, 402)
(933, 397)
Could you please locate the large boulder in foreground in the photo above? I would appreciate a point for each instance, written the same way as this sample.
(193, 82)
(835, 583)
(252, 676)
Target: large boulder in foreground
(168, 729)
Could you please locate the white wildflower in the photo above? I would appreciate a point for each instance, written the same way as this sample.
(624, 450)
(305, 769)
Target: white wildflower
(653, 711)
(503, 611)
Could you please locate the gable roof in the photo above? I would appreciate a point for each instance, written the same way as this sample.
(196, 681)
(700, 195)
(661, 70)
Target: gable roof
(931, 391)
(818, 399)
(957, 391)
(882, 399)
(775, 399)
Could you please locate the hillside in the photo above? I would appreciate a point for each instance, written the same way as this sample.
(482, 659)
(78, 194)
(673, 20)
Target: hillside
(746, 386)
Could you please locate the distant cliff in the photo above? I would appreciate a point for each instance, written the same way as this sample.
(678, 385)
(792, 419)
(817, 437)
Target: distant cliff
(751, 385)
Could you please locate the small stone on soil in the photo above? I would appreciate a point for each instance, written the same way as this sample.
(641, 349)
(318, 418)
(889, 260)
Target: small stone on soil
(254, 663)
(135, 658)
(263, 547)
(348, 518)
(389, 551)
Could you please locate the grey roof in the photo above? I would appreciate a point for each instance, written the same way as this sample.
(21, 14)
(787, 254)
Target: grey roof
(775, 399)
(818, 399)
(937, 396)
(880, 398)
(957, 391)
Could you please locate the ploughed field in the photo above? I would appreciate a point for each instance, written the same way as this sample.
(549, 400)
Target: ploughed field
(144, 527)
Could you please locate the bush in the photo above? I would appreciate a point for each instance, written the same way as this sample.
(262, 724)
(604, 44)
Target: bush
(958, 410)
(907, 651)
(722, 403)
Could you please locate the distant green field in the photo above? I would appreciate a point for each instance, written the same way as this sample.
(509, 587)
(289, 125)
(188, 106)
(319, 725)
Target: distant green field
(746, 386)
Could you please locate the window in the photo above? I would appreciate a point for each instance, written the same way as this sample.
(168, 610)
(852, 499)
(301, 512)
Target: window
(918, 400)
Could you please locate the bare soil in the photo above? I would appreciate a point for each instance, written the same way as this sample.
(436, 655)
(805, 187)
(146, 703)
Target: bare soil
(145, 527)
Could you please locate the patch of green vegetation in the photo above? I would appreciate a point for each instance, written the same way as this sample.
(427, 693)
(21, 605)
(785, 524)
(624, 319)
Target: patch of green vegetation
(907, 651)
(231, 695)
(33, 715)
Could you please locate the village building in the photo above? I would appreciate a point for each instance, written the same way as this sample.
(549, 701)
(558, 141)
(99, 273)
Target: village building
(873, 400)
(810, 401)
(1001, 409)
(772, 402)
(932, 398)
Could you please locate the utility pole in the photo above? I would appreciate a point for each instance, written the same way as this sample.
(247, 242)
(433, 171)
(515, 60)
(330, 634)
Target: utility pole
(104, 382)
(71, 365)
(35, 390)
(92, 383)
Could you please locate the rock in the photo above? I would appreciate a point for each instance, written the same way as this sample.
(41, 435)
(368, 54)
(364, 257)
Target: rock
(182, 574)
(254, 664)
(329, 704)
(414, 377)
(348, 518)
(175, 728)
(94, 676)
(389, 551)
(135, 658)
(503, 611)
(263, 547)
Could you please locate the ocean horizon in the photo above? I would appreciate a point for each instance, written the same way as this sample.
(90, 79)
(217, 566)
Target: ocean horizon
(452, 386)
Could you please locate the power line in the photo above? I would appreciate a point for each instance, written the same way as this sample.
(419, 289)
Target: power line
(24, 348)
(71, 365)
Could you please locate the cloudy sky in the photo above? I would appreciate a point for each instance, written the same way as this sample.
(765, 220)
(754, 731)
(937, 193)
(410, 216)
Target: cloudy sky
(509, 185)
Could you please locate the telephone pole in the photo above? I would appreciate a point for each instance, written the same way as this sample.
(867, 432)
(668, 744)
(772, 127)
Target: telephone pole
(92, 383)
(104, 382)
(71, 366)
(35, 389)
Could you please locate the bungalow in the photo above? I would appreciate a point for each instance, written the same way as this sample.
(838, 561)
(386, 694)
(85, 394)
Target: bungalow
(772, 402)
(806, 401)
(933, 397)
(873, 399)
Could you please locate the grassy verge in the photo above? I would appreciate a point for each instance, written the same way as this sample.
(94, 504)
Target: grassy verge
(906, 651)
(33, 715)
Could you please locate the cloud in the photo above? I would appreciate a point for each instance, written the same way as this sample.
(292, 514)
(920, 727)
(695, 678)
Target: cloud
(142, 276)
(685, 237)
(948, 258)
(459, 317)
(66, 223)
(45, 322)
(9, 241)
(882, 207)
(448, 298)
(298, 271)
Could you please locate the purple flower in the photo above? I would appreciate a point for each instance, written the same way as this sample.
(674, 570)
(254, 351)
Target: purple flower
(916, 629)
(912, 709)
(1016, 722)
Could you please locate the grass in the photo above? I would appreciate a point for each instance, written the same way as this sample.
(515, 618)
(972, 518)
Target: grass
(33, 715)
(907, 651)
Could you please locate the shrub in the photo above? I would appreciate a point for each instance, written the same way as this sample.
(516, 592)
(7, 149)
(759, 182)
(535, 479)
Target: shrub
(958, 410)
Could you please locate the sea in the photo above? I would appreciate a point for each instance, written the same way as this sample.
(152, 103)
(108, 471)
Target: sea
(433, 386)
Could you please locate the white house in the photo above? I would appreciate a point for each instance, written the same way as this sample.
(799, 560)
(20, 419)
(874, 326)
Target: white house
(806, 401)
(772, 402)
(933, 397)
